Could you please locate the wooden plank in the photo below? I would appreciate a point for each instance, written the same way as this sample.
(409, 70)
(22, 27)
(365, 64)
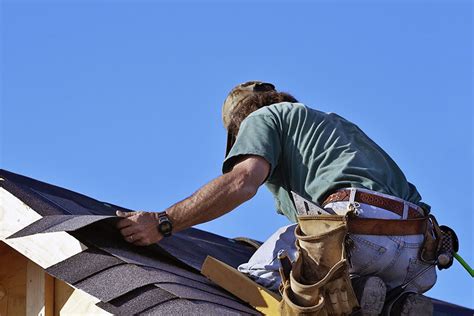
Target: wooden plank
(35, 290)
(48, 295)
(12, 281)
(241, 286)
(62, 293)
(3, 301)
(44, 249)
(71, 301)
(14, 214)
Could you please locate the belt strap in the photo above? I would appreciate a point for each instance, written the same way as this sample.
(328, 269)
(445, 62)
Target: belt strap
(394, 206)
(397, 227)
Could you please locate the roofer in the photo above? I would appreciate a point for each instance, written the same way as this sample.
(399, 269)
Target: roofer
(369, 220)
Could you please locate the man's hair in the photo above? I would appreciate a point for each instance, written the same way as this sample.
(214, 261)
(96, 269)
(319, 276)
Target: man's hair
(255, 102)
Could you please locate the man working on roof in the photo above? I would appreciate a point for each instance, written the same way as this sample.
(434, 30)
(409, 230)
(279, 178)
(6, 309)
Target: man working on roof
(328, 161)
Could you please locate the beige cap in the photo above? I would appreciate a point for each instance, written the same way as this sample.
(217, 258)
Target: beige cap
(238, 94)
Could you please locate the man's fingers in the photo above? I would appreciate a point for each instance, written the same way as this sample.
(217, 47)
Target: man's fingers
(145, 241)
(130, 230)
(138, 228)
(140, 239)
(124, 223)
(140, 243)
(124, 214)
(133, 238)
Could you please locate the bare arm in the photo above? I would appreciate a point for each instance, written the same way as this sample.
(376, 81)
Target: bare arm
(213, 200)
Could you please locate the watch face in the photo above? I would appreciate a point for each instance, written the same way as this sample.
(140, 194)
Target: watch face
(165, 226)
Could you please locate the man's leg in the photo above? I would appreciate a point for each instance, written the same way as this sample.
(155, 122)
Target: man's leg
(412, 304)
(263, 266)
(370, 292)
(394, 259)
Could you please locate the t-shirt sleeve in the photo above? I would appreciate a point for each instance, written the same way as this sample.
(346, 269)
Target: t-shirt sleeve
(258, 135)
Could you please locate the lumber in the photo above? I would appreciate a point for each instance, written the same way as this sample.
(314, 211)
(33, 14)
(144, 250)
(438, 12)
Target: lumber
(44, 249)
(3, 301)
(12, 281)
(241, 286)
(62, 293)
(72, 301)
(35, 290)
(48, 295)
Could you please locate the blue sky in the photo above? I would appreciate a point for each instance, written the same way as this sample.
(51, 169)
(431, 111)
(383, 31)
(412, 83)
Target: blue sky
(121, 100)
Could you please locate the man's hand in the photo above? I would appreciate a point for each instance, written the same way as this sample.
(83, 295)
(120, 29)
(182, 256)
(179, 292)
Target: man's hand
(139, 228)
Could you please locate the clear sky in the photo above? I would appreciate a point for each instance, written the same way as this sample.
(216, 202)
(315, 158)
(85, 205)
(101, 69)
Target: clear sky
(121, 100)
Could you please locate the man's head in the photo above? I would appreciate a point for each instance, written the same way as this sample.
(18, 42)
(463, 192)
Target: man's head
(246, 98)
(237, 96)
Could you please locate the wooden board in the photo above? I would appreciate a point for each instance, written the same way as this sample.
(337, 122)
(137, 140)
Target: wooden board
(71, 301)
(35, 290)
(3, 301)
(44, 249)
(48, 295)
(12, 281)
(241, 286)
(21, 280)
(62, 293)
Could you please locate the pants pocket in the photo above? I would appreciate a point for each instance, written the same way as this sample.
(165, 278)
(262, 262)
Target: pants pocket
(425, 281)
(364, 255)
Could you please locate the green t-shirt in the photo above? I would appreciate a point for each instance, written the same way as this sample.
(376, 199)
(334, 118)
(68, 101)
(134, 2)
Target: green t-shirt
(314, 153)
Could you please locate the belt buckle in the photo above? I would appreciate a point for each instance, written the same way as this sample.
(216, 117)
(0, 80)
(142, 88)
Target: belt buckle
(353, 208)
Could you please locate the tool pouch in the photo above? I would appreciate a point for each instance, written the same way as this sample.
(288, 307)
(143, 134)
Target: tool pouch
(439, 245)
(430, 243)
(319, 281)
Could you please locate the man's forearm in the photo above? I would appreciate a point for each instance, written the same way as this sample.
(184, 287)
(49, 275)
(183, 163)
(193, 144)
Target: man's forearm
(214, 199)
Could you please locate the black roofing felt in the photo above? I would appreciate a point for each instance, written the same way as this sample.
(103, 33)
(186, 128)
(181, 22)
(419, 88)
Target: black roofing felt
(59, 223)
(203, 243)
(129, 279)
(190, 308)
(83, 265)
(47, 199)
(137, 301)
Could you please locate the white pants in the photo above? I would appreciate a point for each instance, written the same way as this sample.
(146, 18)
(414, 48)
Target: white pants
(392, 258)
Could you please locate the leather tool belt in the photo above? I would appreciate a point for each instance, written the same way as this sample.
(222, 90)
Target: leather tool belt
(390, 204)
(440, 241)
(386, 227)
(440, 244)
(416, 223)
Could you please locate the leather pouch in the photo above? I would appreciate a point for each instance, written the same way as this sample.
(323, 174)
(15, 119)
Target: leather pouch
(319, 281)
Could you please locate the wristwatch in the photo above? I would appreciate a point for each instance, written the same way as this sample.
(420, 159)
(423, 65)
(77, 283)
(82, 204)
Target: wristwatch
(164, 224)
